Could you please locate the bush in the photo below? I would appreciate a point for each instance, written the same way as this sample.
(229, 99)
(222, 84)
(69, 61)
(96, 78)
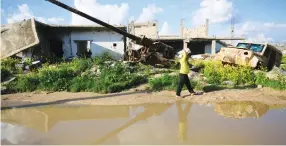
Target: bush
(166, 82)
(283, 66)
(24, 83)
(283, 61)
(106, 56)
(117, 78)
(279, 84)
(10, 65)
(4, 73)
(112, 79)
(216, 73)
(84, 83)
(55, 79)
(80, 65)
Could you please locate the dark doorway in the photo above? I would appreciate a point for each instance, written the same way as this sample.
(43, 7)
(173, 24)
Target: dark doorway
(176, 44)
(197, 47)
(56, 48)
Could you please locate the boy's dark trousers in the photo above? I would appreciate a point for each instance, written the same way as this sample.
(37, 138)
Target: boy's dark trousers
(184, 80)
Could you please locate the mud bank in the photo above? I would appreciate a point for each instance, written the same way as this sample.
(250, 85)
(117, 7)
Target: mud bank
(265, 95)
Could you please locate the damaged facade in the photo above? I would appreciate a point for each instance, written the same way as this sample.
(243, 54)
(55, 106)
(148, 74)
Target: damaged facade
(196, 39)
(32, 38)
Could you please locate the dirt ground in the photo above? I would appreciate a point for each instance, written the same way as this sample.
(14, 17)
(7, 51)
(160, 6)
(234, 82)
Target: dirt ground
(264, 95)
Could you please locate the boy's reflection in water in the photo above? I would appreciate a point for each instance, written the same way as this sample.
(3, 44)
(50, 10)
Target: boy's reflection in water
(183, 119)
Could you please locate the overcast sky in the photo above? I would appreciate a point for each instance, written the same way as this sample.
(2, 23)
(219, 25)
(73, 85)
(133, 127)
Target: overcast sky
(258, 20)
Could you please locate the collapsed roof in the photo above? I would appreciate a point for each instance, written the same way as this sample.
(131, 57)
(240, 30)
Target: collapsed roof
(17, 37)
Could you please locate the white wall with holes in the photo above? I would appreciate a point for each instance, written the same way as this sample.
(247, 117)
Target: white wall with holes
(100, 42)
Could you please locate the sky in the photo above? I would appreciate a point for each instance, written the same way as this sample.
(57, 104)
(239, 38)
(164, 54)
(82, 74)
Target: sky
(256, 20)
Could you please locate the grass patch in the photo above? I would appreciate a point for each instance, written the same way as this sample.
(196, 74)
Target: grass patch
(279, 84)
(112, 79)
(76, 76)
(283, 60)
(25, 83)
(283, 66)
(9, 64)
(168, 82)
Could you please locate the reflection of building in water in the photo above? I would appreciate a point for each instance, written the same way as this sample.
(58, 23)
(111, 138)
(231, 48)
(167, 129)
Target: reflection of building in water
(49, 119)
(44, 118)
(241, 109)
(183, 120)
(150, 110)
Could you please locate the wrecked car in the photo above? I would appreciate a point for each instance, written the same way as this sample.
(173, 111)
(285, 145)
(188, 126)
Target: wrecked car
(255, 55)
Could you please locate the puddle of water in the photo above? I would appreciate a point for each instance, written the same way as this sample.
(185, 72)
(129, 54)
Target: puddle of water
(179, 123)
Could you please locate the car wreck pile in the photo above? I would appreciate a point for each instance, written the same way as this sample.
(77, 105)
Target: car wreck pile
(152, 52)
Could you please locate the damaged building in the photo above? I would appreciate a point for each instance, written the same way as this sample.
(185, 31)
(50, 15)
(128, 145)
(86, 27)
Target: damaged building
(31, 38)
(196, 39)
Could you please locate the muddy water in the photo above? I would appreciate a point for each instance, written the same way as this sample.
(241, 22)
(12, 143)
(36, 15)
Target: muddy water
(178, 123)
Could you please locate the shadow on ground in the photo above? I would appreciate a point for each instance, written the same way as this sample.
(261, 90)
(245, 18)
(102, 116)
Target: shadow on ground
(69, 100)
(211, 88)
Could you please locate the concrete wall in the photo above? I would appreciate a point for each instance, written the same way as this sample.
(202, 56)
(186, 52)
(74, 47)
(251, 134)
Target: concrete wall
(101, 41)
(148, 29)
(200, 31)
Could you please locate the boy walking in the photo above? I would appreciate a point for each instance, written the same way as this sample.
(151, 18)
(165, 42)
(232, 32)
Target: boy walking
(184, 70)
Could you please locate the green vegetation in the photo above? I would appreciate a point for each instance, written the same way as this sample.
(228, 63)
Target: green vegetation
(4, 73)
(283, 66)
(9, 64)
(26, 83)
(99, 74)
(279, 84)
(168, 82)
(104, 75)
(283, 61)
(216, 73)
(111, 79)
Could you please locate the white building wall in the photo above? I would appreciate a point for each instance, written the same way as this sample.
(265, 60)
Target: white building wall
(208, 48)
(101, 41)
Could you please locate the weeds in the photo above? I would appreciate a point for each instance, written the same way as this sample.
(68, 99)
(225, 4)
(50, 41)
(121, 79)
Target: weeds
(216, 73)
(69, 76)
(283, 67)
(168, 82)
(55, 79)
(112, 76)
(26, 83)
(9, 64)
(279, 84)
(283, 61)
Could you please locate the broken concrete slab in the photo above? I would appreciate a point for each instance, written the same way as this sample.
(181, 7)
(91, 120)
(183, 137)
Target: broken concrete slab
(17, 37)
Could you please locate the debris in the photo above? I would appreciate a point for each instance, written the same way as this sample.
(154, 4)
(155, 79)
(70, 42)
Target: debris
(152, 52)
(229, 83)
(259, 86)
